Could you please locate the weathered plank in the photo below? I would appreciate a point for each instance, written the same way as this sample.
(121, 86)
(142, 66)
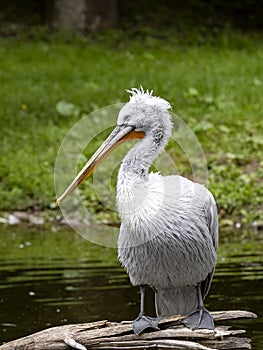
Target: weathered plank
(112, 335)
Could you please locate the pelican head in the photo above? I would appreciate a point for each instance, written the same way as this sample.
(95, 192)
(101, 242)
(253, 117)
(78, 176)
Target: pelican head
(144, 115)
(145, 111)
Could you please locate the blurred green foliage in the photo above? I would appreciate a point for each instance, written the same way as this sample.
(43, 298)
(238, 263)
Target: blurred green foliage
(49, 83)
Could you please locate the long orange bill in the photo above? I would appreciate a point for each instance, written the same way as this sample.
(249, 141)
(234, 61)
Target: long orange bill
(119, 135)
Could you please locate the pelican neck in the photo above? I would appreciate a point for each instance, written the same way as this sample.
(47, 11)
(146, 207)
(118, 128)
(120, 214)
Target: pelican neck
(140, 157)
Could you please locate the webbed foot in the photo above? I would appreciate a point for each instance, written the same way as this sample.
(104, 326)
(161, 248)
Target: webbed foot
(199, 319)
(143, 322)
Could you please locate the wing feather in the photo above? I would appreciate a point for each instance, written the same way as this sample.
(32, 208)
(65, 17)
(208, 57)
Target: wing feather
(212, 220)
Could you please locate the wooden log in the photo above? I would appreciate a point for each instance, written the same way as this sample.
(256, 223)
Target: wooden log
(112, 335)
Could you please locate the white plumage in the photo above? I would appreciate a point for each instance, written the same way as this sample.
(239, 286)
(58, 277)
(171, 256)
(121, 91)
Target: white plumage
(168, 235)
(169, 230)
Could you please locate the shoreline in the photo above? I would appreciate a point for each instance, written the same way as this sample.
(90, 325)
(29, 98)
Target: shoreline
(42, 218)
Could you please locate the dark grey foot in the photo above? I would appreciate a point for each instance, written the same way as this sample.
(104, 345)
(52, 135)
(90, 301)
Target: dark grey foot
(143, 322)
(199, 319)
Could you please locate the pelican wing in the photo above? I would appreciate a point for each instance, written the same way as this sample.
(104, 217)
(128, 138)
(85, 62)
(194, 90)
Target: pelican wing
(212, 220)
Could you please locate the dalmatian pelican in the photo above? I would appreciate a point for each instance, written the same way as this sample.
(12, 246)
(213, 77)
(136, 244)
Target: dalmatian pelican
(169, 227)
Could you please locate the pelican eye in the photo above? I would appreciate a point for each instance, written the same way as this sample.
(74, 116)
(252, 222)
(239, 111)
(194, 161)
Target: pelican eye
(125, 119)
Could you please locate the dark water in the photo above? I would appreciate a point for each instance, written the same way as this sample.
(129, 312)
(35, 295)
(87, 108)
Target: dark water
(55, 277)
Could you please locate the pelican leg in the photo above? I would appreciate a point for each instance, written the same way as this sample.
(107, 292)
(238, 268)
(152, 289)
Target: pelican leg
(143, 321)
(201, 317)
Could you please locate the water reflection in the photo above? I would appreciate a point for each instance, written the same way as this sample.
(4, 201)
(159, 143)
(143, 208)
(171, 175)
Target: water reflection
(53, 278)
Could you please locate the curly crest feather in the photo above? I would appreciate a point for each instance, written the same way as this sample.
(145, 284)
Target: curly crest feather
(140, 96)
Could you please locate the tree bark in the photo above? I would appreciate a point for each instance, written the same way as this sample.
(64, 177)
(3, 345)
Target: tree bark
(84, 15)
(69, 15)
(102, 14)
(112, 335)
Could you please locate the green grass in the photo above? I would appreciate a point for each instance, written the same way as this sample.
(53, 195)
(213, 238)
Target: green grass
(216, 88)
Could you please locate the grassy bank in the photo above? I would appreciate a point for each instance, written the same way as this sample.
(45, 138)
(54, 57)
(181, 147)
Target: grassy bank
(217, 89)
